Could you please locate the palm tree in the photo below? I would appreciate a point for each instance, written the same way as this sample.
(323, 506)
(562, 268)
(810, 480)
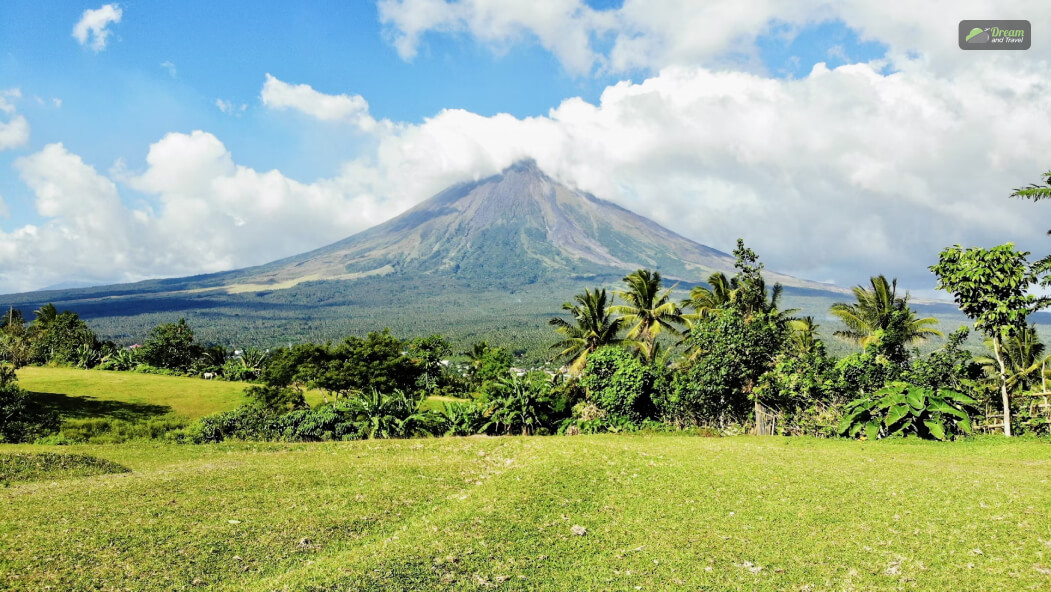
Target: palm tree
(592, 327)
(648, 310)
(880, 310)
(803, 337)
(706, 300)
(45, 316)
(1024, 360)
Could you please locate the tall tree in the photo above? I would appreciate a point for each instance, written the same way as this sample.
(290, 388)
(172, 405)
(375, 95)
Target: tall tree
(879, 312)
(991, 287)
(593, 326)
(1037, 192)
(649, 310)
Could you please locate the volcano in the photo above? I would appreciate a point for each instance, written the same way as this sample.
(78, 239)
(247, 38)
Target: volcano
(484, 259)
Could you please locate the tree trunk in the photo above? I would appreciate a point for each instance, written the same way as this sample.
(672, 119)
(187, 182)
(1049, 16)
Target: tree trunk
(1003, 386)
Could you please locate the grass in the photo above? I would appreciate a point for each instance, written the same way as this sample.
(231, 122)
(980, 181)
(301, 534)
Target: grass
(78, 394)
(48, 465)
(81, 394)
(661, 513)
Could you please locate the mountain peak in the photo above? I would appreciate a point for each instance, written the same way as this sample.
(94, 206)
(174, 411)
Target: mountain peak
(508, 229)
(524, 165)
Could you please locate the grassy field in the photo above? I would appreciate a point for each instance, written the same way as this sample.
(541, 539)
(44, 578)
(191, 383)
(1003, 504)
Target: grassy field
(660, 513)
(77, 394)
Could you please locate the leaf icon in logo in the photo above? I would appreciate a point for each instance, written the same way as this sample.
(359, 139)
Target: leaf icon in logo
(978, 35)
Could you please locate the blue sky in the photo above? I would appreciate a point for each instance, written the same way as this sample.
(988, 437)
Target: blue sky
(164, 67)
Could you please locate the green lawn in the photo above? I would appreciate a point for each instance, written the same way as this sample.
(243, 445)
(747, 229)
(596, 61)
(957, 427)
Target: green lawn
(661, 512)
(78, 394)
(126, 395)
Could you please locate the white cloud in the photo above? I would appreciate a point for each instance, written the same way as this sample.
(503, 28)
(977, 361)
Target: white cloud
(170, 67)
(205, 214)
(351, 109)
(230, 108)
(15, 131)
(93, 27)
(839, 174)
(57, 102)
(564, 27)
(653, 34)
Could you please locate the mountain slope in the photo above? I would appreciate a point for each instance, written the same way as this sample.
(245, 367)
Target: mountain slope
(511, 227)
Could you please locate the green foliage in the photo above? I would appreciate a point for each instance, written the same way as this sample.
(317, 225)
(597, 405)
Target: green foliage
(394, 415)
(950, 367)
(122, 359)
(488, 363)
(275, 399)
(989, 285)
(866, 372)
(20, 419)
(247, 422)
(171, 346)
(730, 353)
(355, 365)
(902, 409)
(648, 311)
(881, 317)
(57, 337)
(527, 405)
(593, 326)
(464, 419)
(619, 383)
(331, 421)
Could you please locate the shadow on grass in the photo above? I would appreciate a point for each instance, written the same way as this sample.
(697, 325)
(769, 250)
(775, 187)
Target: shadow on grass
(85, 407)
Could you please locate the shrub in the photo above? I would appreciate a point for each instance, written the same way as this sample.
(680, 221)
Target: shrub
(325, 422)
(619, 383)
(247, 422)
(902, 409)
(21, 420)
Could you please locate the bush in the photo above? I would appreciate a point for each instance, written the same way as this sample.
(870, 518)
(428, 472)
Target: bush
(619, 384)
(731, 352)
(322, 423)
(247, 422)
(21, 420)
(903, 409)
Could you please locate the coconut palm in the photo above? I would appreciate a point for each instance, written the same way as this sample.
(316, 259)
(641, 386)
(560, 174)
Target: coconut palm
(704, 300)
(1024, 360)
(881, 310)
(593, 327)
(649, 311)
(803, 336)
